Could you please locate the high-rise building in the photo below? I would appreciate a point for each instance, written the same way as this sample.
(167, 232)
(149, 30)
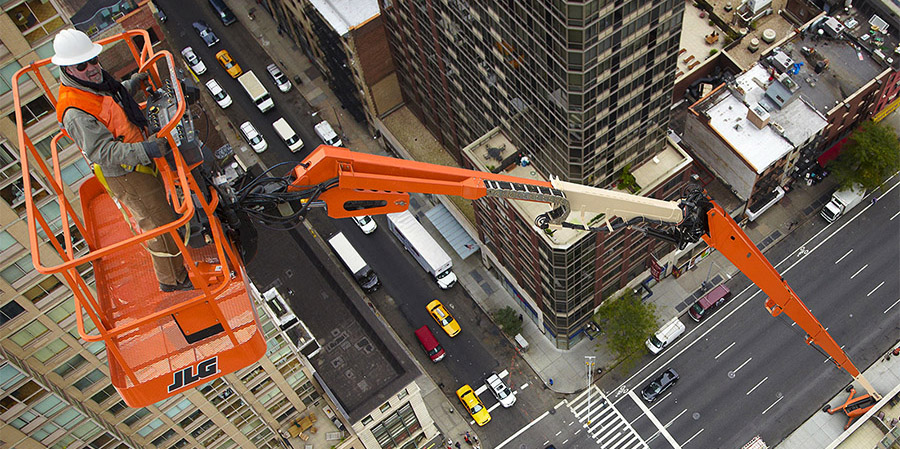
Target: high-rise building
(55, 390)
(580, 88)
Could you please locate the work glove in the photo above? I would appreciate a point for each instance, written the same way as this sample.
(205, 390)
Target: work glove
(139, 77)
(157, 147)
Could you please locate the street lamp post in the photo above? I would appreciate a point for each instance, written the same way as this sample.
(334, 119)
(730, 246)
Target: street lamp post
(589, 362)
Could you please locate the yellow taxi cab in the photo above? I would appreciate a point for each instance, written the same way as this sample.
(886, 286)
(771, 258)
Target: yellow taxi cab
(443, 318)
(474, 405)
(228, 63)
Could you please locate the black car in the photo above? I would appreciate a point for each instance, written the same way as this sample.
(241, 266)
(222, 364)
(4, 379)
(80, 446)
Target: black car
(206, 33)
(659, 385)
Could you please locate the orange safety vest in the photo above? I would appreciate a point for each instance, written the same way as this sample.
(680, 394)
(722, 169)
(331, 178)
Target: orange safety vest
(105, 109)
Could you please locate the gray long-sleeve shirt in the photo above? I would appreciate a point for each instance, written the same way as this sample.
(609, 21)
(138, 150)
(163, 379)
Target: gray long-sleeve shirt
(97, 141)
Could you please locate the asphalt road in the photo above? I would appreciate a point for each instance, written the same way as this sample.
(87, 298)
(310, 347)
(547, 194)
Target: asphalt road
(747, 373)
(246, 51)
(473, 354)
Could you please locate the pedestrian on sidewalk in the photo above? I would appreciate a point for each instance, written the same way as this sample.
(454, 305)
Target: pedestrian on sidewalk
(874, 199)
(457, 445)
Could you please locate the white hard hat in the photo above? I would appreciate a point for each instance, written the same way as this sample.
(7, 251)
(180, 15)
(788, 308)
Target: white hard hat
(73, 47)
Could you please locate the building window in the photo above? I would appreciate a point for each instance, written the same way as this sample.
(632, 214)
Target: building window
(42, 289)
(104, 394)
(18, 269)
(70, 366)
(396, 428)
(7, 73)
(385, 407)
(9, 376)
(36, 19)
(9, 311)
(150, 427)
(403, 394)
(50, 350)
(64, 310)
(29, 333)
(75, 172)
(33, 111)
(89, 379)
(368, 419)
(9, 161)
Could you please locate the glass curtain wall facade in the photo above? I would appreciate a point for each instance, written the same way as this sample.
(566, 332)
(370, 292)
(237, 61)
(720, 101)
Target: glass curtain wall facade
(581, 87)
(584, 87)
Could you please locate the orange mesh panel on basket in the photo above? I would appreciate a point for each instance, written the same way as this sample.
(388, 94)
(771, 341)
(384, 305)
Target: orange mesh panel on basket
(128, 292)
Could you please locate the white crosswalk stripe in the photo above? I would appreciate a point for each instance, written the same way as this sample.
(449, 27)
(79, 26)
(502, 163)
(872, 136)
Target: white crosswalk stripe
(605, 424)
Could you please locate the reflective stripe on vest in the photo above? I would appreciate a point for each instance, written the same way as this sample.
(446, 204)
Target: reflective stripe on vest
(105, 109)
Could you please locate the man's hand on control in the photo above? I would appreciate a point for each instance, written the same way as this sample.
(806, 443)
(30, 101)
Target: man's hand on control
(159, 148)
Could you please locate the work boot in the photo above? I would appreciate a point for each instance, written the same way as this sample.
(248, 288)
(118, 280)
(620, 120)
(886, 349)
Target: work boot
(183, 285)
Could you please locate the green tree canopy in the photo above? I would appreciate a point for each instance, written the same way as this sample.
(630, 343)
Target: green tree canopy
(872, 153)
(627, 322)
(508, 320)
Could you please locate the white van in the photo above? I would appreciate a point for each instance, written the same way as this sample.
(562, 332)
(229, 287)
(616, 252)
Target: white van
(327, 134)
(665, 335)
(287, 134)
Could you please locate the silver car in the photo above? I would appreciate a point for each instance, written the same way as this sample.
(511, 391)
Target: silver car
(193, 61)
(280, 78)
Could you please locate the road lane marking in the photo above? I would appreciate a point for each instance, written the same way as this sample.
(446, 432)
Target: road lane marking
(842, 257)
(891, 307)
(742, 365)
(481, 389)
(876, 288)
(653, 419)
(773, 405)
(895, 216)
(691, 438)
(863, 268)
(528, 426)
(503, 374)
(565, 441)
(524, 386)
(659, 401)
(557, 433)
(493, 407)
(760, 383)
(723, 351)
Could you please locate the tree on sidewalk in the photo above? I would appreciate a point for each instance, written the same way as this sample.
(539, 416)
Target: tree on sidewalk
(871, 154)
(508, 320)
(627, 322)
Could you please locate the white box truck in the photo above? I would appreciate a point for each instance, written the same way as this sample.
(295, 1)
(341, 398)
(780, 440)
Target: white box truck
(256, 91)
(423, 247)
(364, 275)
(327, 134)
(842, 201)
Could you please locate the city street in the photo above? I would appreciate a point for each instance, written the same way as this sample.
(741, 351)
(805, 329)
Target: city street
(744, 373)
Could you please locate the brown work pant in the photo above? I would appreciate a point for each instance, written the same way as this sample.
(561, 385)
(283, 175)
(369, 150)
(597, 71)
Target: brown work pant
(145, 196)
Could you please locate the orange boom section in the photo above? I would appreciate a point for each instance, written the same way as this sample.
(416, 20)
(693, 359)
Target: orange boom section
(158, 344)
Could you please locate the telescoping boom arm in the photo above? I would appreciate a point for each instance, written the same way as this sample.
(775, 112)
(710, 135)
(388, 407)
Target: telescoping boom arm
(353, 184)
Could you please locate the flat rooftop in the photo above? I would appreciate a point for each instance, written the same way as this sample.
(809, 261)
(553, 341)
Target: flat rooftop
(360, 362)
(345, 15)
(788, 127)
(492, 148)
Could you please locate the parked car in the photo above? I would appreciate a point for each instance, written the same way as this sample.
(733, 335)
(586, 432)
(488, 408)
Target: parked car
(443, 318)
(206, 33)
(193, 61)
(473, 405)
(218, 94)
(659, 385)
(504, 395)
(229, 64)
(709, 302)
(256, 140)
(366, 223)
(283, 83)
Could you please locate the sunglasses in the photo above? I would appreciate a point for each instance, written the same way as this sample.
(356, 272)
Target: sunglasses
(83, 65)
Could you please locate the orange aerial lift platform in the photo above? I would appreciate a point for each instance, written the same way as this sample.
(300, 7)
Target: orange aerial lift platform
(158, 344)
